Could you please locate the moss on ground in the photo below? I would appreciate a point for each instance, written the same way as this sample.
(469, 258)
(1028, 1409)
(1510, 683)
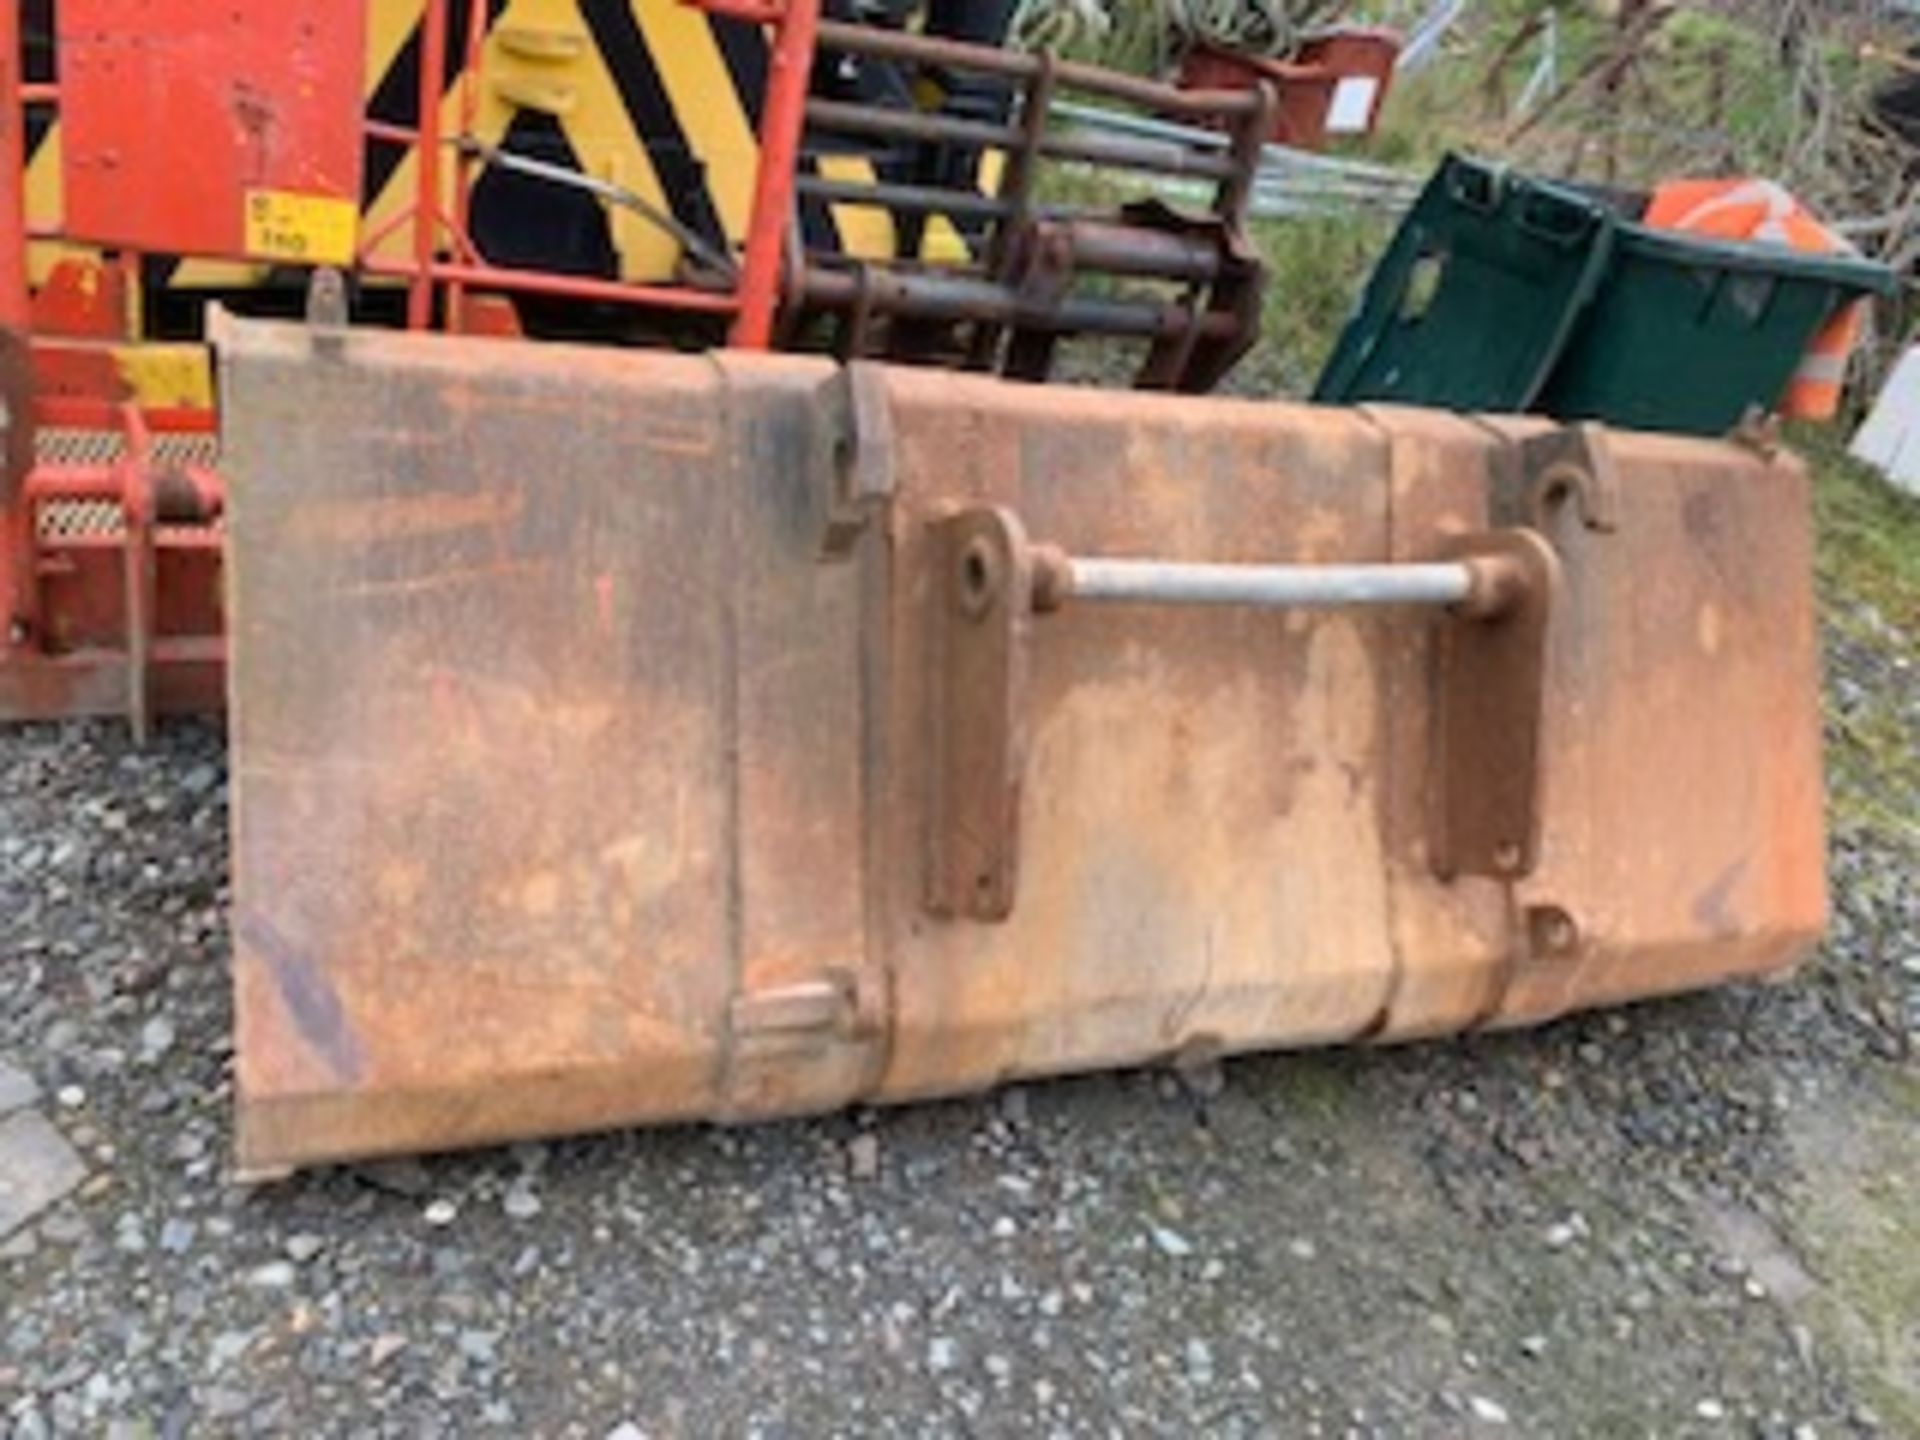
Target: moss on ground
(1869, 573)
(1861, 1217)
(1862, 1226)
(1869, 533)
(1315, 271)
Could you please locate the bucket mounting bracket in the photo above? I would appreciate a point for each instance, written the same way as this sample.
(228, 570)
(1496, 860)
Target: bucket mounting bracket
(1493, 593)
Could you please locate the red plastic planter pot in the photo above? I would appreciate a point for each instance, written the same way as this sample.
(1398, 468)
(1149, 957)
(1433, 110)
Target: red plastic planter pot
(1335, 85)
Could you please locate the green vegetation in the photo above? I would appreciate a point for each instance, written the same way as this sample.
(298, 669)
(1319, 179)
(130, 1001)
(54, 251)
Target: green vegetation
(1863, 1223)
(1869, 568)
(1870, 532)
(1316, 269)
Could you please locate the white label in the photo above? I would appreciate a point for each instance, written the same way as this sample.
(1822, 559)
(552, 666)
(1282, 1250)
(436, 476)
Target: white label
(1351, 112)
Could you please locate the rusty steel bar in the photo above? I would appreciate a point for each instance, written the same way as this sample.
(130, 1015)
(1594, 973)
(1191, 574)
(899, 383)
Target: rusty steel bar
(831, 258)
(847, 118)
(881, 44)
(1249, 140)
(1023, 163)
(1117, 152)
(925, 198)
(1017, 188)
(1120, 153)
(937, 297)
(783, 118)
(1114, 247)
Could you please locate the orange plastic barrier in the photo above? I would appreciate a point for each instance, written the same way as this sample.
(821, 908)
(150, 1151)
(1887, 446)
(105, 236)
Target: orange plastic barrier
(1760, 210)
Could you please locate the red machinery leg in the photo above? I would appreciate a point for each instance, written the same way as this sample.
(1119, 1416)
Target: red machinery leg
(13, 190)
(17, 588)
(426, 214)
(781, 124)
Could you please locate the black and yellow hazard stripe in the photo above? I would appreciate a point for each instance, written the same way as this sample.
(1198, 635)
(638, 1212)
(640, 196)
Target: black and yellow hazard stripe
(654, 95)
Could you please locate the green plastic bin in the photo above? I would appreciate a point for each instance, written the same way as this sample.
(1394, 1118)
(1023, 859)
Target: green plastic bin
(1476, 296)
(1504, 293)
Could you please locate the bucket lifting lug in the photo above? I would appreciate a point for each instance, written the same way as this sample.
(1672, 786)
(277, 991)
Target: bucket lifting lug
(1571, 465)
(1489, 711)
(855, 438)
(1495, 593)
(1758, 431)
(328, 311)
(982, 599)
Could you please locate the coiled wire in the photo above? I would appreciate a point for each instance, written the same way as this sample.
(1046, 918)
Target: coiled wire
(1128, 32)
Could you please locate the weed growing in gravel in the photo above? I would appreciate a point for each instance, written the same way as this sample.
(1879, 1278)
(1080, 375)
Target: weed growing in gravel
(1869, 568)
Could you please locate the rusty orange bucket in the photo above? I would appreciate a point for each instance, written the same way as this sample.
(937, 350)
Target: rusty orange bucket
(628, 737)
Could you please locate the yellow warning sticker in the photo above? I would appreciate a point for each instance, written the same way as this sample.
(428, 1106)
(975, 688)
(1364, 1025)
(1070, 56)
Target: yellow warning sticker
(305, 229)
(166, 377)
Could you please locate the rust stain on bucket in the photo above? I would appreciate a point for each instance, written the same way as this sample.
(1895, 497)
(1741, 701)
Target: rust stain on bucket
(636, 823)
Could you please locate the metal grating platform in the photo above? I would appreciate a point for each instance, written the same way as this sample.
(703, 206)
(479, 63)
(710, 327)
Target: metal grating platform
(88, 519)
(53, 446)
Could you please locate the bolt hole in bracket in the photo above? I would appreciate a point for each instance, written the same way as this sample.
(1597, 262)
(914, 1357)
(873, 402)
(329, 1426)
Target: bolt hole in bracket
(1493, 592)
(1570, 467)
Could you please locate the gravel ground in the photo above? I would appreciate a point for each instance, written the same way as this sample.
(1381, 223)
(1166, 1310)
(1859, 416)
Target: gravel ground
(1698, 1218)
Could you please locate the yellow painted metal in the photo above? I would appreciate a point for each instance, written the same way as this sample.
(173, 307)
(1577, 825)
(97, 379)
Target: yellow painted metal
(719, 134)
(301, 229)
(540, 57)
(166, 375)
(865, 230)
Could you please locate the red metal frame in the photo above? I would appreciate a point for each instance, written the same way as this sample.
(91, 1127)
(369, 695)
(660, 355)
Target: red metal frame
(126, 620)
(17, 551)
(755, 298)
(117, 621)
(212, 130)
(782, 120)
(13, 166)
